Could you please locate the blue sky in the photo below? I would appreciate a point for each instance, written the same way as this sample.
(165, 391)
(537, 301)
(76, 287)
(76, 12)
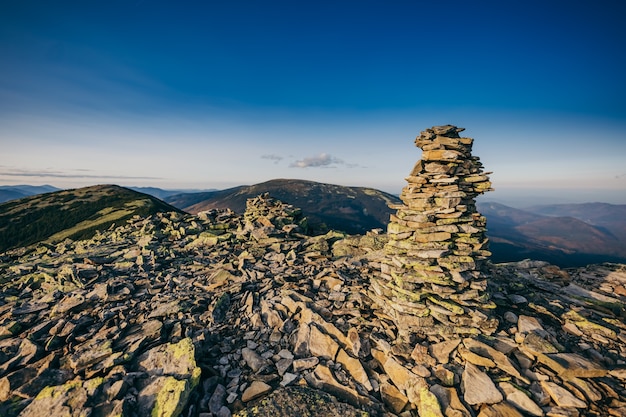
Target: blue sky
(217, 94)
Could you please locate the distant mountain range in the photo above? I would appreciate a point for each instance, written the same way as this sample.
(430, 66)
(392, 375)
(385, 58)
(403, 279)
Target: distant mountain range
(160, 193)
(572, 235)
(565, 235)
(14, 192)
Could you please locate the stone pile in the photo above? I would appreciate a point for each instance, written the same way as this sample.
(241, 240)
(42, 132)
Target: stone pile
(431, 280)
(197, 316)
(266, 216)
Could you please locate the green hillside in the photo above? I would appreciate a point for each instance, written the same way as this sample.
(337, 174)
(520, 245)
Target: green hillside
(74, 214)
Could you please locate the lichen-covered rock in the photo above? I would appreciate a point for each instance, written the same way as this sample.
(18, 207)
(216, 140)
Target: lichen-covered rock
(67, 400)
(172, 375)
(303, 402)
(176, 359)
(164, 396)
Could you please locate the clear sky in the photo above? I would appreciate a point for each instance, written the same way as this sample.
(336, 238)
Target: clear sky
(213, 94)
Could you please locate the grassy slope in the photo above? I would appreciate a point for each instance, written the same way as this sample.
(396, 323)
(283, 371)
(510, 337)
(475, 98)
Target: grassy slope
(75, 214)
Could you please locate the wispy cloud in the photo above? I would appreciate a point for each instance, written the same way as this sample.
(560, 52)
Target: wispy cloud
(59, 174)
(273, 157)
(77, 79)
(323, 160)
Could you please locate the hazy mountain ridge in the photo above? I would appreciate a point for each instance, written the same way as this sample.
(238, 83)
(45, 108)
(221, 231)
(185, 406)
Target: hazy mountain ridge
(609, 217)
(563, 240)
(71, 214)
(162, 193)
(15, 192)
(555, 233)
(185, 200)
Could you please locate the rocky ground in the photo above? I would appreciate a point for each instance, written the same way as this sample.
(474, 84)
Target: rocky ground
(219, 314)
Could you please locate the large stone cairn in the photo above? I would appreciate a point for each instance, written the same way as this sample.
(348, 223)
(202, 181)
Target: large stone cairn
(431, 280)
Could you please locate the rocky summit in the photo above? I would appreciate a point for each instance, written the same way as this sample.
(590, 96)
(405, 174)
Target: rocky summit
(220, 314)
(431, 281)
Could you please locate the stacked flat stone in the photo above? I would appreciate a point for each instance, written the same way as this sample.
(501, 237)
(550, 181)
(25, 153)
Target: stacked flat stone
(431, 280)
(267, 215)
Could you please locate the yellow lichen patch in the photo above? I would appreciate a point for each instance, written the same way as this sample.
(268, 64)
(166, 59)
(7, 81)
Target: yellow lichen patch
(184, 348)
(55, 391)
(448, 305)
(587, 326)
(92, 385)
(171, 399)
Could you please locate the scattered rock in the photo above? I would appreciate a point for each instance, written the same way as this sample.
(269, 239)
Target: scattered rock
(571, 365)
(478, 388)
(393, 398)
(254, 360)
(520, 400)
(301, 401)
(255, 390)
(354, 368)
(499, 410)
(561, 396)
(450, 402)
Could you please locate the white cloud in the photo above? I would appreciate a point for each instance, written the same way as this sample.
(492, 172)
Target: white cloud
(322, 160)
(272, 157)
(69, 174)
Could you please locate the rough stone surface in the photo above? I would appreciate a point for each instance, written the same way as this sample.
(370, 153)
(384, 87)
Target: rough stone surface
(520, 400)
(561, 396)
(450, 402)
(570, 365)
(478, 387)
(64, 400)
(255, 390)
(392, 397)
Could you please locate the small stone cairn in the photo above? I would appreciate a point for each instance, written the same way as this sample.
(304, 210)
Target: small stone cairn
(266, 217)
(431, 280)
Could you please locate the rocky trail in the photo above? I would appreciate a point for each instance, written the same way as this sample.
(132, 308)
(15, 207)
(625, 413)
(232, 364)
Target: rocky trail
(220, 314)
